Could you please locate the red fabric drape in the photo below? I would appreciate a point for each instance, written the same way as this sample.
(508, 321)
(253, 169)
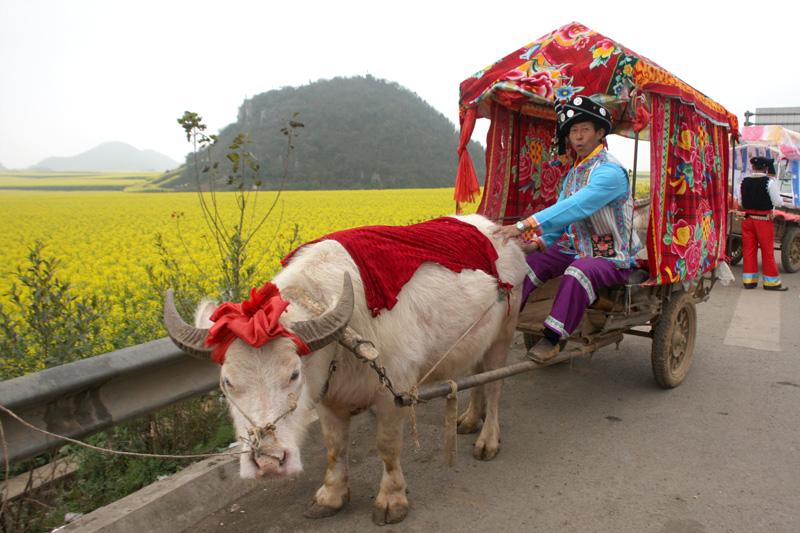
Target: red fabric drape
(521, 177)
(388, 256)
(467, 188)
(688, 222)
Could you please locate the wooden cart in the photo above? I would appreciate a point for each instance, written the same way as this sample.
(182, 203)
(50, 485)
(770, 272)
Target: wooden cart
(689, 161)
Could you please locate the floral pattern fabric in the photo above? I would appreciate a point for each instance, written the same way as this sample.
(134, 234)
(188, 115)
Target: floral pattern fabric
(521, 178)
(577, 60)
(687, 227)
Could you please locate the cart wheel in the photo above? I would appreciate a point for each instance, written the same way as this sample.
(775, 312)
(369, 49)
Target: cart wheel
(735, 249)
(790, 250)
(530, 340)
(673, 340)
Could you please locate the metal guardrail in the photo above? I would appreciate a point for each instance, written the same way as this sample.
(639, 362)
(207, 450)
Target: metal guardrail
(82, 398)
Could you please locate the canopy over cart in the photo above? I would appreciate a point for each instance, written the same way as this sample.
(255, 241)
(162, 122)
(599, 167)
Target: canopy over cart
(686, 225)
(689, 153)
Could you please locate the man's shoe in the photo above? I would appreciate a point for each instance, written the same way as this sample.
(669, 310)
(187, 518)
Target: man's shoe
(543, 351)
(751, 286)
(775, 288)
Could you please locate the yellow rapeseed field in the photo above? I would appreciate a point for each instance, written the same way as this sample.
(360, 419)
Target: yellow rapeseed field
(105, 239)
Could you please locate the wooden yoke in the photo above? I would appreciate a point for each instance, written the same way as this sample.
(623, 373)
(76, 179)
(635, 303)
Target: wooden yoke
(351, 340)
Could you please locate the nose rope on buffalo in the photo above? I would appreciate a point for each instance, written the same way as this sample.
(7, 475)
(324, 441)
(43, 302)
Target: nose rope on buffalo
(256, 434)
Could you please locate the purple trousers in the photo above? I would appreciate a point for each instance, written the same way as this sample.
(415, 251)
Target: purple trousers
(577, 291)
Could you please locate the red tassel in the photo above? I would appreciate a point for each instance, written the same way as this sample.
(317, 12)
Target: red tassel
(467, 188)
(642, 118)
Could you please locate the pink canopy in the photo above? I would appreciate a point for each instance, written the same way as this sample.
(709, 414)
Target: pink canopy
(787, 142)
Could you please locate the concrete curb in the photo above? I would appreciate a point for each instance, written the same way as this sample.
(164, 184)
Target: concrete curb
(173, 504)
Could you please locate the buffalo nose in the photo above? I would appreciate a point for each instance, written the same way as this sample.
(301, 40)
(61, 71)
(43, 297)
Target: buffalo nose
(270, 460)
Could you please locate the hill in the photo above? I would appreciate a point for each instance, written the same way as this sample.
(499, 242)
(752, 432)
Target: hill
(360, 133)
(110, 157)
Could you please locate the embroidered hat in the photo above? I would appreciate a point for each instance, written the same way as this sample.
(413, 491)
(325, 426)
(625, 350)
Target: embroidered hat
(762, 163)
(579, 109)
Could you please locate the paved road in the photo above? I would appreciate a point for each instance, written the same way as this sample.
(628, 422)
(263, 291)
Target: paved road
(598, 446)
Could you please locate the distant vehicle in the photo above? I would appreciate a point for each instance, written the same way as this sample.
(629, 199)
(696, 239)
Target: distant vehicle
(783, 146)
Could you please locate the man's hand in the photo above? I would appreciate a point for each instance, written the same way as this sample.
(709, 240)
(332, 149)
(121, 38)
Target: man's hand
(506, 232)
(529, 247)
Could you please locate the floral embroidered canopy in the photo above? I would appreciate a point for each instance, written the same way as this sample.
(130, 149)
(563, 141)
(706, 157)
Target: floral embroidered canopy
(688, 133)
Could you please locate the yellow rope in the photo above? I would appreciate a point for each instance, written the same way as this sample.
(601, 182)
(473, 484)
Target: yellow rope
(451, 426)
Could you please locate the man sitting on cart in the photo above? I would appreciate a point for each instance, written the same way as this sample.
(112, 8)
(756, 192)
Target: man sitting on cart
(586, 235)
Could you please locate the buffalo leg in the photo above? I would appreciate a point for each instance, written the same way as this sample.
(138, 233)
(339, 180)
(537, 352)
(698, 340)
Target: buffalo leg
(391, 505)
(488, 444)
(471, 420)
(335, 492)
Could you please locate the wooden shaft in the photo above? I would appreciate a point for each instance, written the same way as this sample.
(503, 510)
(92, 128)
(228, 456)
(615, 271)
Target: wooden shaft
(436, 390)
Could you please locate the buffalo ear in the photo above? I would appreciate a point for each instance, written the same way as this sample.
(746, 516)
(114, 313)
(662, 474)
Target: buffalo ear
(202, 314)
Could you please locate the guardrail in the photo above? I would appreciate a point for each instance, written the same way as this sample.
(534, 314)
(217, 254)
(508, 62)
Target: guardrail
(81, 398)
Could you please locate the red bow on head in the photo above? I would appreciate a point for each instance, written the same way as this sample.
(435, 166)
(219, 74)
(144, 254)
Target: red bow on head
(255, 321)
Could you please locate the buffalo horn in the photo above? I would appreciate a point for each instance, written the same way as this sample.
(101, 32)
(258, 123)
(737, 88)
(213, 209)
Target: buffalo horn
(188, 338)
(350, 339)
(321, 331)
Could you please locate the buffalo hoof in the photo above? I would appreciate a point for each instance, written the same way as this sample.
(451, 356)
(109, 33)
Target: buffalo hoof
(467, 425)
(318, 511)
(381, 517)
(485, 453)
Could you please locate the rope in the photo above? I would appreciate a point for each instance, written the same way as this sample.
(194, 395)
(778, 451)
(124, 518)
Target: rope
(415, 389)
(451, 426)
(257, 434)
(8, 469)
(99, 449)
(413, 417)
(453, 347)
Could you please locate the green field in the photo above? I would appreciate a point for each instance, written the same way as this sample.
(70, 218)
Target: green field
(73, 181)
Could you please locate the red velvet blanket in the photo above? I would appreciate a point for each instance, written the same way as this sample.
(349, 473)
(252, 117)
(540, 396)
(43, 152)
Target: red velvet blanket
(388, 256)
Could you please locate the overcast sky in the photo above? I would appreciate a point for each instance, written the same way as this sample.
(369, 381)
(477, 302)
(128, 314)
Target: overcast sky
(76, 73)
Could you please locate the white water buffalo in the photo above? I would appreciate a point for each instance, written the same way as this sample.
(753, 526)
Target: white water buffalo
(435, 307)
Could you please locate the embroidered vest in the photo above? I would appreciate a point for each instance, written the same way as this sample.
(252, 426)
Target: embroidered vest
(607, 232)
(755, 193)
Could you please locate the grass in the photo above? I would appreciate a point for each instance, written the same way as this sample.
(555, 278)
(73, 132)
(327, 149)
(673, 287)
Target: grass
(73, 181)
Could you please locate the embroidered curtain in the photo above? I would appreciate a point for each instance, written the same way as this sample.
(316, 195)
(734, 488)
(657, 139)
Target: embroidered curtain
(687, 228)
(521, 179)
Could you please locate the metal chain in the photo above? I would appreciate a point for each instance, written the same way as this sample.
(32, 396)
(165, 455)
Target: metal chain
(331, 370)
(381, 371)
(383, 378)
(502, 294)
